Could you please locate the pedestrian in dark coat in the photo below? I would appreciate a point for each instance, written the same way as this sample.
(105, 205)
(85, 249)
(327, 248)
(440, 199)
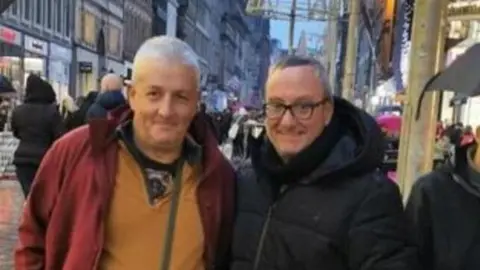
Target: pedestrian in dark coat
(78, 117)
(37, 124)
(443, 209)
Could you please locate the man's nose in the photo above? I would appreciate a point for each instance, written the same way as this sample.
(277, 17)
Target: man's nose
(165, 106)
(288, 119)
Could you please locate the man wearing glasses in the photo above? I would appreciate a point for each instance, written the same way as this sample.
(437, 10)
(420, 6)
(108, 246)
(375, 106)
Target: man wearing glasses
(311, 196)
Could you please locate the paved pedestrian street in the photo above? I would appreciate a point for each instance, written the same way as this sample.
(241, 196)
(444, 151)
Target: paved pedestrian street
(11, 202)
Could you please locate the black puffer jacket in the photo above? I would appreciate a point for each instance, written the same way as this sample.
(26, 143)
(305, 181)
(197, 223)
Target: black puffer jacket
(444, 208)
(37, 122)
(343, 215)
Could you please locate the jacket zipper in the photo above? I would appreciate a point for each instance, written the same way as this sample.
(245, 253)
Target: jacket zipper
(283, 190)
(261, 242)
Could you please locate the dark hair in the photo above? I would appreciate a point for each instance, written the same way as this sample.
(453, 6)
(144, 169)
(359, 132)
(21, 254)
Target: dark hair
(298, 61)
(38, 90)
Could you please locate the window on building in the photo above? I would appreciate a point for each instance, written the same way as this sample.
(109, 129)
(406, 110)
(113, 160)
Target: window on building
(202, 15)
(114, 35)
(67, 5)
(14, 9)
(27, 9)
(134, 33)
(58, 16)
(128, 31)
(38, 11)
(201, 44)
(190, 34)
(192, 8)
(48, 14)
(89, 29)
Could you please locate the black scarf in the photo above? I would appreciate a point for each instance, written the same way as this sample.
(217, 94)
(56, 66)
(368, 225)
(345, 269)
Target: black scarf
(268, 163)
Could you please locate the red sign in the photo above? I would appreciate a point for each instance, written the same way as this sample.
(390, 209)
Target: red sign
(8, 35)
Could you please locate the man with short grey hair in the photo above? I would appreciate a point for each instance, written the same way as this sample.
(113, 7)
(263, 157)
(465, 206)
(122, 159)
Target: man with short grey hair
(146, 188)
(311, 197)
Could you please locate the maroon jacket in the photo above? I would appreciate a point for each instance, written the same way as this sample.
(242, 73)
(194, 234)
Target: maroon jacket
(62, 223)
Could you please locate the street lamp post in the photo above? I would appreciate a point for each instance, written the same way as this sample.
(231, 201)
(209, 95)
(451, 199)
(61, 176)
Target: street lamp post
(351, 52)
(426, 57)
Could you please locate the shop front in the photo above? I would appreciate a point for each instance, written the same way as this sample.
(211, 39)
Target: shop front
(35, 58)
(11, 54)
(60, 59)
(87, 75)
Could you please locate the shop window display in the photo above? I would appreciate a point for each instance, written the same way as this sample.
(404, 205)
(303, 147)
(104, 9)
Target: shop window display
(11, 68)
(11, 64)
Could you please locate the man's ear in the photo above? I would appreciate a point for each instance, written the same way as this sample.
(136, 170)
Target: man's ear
(329, 109)
(130, 92)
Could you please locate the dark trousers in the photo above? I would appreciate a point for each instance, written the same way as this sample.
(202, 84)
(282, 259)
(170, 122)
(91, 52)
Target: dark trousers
(26, 174)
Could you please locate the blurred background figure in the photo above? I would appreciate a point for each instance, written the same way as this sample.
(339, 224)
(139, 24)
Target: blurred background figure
(37, 124)
(110, 97)
(67, 106)
(78, 118)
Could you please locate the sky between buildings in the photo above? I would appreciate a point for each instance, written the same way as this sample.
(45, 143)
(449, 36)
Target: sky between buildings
(279, 30)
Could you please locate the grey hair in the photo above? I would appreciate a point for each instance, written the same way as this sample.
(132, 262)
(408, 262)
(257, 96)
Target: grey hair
(297, 61)
(165, 48)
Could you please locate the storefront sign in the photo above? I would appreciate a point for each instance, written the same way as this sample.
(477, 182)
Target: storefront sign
(85, 67)
(60, 53)
(36, 46)
(462, 8)
(11, 36)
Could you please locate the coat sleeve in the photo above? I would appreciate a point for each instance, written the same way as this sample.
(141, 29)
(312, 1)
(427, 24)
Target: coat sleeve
(13, 124)
(226, 229)
(30, 250)
(420, 218)
(378, 236)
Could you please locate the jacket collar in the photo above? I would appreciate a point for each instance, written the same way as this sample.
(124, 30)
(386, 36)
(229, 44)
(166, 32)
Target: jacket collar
(102, 134)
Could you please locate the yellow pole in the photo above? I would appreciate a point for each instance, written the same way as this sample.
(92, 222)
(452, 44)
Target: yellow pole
(426, 57)
(351, 52)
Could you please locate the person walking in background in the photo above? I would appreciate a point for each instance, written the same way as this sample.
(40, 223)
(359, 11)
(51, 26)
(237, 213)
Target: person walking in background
(67, 106)
(37, 123)
(146, 188)
(78, 117)
(109, 98)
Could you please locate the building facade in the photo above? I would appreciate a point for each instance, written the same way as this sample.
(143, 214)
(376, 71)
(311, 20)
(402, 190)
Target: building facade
(228, 42)
(99, 42)
(36, 37)
(160, 17)
(139, 20)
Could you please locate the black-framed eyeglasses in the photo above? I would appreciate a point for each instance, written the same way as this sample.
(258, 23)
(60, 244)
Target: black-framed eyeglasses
(299, 110)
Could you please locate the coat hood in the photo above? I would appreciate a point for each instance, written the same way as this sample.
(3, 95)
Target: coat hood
(460, 169)
(39, 91)
(360, 149)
